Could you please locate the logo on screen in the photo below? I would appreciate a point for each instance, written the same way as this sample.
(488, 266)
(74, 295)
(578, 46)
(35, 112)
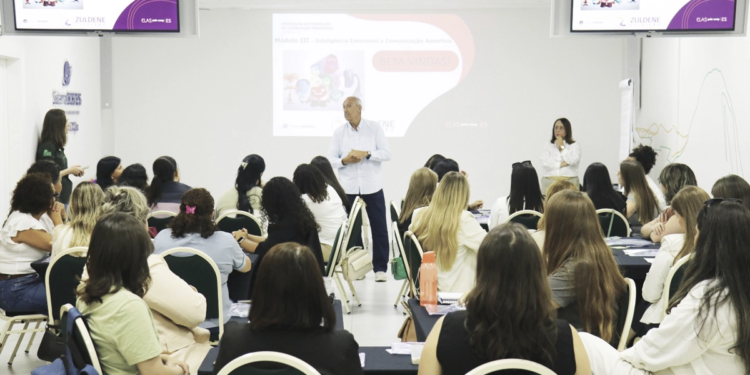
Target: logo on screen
(66, 73)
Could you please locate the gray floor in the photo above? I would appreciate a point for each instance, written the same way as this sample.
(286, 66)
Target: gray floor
(375, 323)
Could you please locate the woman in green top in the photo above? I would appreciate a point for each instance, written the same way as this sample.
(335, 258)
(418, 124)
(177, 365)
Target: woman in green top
(52, 147)
(119, 321)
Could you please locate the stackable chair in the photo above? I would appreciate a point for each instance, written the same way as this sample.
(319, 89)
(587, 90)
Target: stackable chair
(200, 271)
(344, 242)
(80, 351)
(625, 313)
(10, 319)
(527, 218)
(511, 364)
(292, 365)
(395, 212)
(62, 279)
(406, 286)
(613, 223)
(413, 251)
(160, 219)
(672, 283)
(241, 219)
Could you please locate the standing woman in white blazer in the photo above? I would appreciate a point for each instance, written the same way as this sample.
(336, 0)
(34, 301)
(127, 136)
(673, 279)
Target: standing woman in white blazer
(561, 156)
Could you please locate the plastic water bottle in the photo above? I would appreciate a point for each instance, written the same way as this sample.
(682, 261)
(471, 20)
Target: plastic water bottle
(428, 280)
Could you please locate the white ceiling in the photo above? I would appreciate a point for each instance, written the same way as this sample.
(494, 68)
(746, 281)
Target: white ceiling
(371, 4)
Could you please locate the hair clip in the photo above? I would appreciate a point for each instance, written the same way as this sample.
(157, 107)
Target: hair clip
(244, 165)
(190, 210)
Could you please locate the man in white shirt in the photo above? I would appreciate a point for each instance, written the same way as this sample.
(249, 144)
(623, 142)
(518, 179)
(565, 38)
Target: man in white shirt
(357, 149)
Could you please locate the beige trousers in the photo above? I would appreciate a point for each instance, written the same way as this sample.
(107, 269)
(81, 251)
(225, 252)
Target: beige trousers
(547, 181)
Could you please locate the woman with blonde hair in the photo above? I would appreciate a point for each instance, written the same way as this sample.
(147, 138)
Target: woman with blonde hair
(453, 233)
(85, 208)
(642, 205)
(687, 204)
(582, 272)
(176, 307)
(421, 188)
(553, 189)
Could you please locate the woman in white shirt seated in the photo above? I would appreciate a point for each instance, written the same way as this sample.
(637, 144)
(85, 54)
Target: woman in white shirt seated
(686, 205)
(323, 202)
(672, 179)
(524, 194)
(707, 330)
(453, 233)
(23, 240)
(641, 206)
(561, 156)
(85, 209)
(248, 188)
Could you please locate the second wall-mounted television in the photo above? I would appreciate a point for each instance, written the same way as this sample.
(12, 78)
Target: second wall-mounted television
(652, 15)
(97, 15)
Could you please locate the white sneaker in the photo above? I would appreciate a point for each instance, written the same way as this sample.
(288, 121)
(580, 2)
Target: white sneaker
(380, 277)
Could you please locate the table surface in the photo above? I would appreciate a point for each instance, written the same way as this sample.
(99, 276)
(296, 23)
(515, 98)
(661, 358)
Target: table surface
(377, 361)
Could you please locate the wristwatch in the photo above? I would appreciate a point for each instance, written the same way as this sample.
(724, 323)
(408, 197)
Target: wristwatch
(368, 155)
(562, 147)
(240, 240)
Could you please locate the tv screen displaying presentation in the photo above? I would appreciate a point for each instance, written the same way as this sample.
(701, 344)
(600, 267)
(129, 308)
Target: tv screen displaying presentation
(97, 15)
(652, 15)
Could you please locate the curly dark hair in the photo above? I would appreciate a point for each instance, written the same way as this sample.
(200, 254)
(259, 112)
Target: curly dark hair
(310, 180)
(198, 222)
(283, 206)
(644, 155)
(33, 194)
(48, 167)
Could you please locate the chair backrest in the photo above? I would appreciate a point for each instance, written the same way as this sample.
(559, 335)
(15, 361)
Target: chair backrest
(354, 232)
(625, 311)
(613, 223)
(413, 251)
(334, 257)
(81, 344)
(527, 218)
(402, 254)
(160, 219)
(395, 212)
(200, 271)
(62, 279)
(241, 220)
(672, 283)
(511, 364)
(293, 365)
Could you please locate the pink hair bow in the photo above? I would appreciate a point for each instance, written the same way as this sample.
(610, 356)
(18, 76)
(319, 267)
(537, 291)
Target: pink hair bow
(190, 210)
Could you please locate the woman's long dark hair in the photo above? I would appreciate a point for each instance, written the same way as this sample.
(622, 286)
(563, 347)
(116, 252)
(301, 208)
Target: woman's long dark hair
(54, 128)
(104, 169)
(732, 186)
(290, 294)
(310, 180)
(598, 186)
(248, 177)
(524, 189)
(283, 206)
(674, 177)
(509, 314)
(444, 166)
(117, 258)
(568, 131)
(196, 208)
(134, 175)
(164, 169)
(721, 256)
(325, 167)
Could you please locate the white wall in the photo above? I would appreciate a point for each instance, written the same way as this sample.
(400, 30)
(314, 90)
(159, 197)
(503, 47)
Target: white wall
(694, 108)
(40, 61)
(207, 102)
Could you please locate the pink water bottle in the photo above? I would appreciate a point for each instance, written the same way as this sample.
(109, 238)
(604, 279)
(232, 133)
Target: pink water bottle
(428, 280)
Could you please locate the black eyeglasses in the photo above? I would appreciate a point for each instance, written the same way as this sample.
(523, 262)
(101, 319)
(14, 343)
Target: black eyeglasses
(524, 163)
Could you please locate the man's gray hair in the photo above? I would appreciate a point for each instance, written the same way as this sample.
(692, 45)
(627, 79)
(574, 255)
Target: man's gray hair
(356, 100)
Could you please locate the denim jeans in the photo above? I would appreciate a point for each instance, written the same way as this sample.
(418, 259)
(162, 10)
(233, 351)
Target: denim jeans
(24, 294)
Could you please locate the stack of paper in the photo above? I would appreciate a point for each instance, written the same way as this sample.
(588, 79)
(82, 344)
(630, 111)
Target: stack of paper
(403, 348)
(641, 252)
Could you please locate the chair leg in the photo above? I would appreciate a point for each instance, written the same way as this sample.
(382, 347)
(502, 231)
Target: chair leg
(33, 335)
(18, 343)
(345, 302)
(354, 293)
(400, 295)
(4, 334)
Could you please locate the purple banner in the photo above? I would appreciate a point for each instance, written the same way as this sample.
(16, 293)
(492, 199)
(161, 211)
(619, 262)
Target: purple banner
(704, 14)
(149, 15)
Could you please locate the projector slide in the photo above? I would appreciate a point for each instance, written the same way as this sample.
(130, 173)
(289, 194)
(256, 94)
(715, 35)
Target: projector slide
(397, 64)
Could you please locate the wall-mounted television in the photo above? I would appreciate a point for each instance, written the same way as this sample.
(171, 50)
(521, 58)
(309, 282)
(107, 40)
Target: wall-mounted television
(97, 15)
(652, 15)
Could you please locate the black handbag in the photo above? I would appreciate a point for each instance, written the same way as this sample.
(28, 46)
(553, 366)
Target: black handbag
(52, 346)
